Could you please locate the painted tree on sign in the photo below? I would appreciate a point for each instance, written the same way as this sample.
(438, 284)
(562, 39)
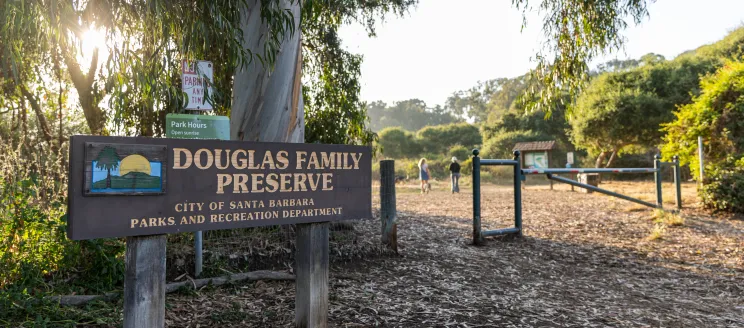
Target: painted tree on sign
(107, 160)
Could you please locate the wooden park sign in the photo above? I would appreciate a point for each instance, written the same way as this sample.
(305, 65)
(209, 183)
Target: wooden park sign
(121, 186)
(144, 188)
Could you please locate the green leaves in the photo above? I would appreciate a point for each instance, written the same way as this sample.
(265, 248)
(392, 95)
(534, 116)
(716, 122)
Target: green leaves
(717, 115)
(438, 139)
(132, 87)
(399, 143)
(576, 32)
(434, 140)
(411, 115)
(333, 111)
(723, 189)
(146, 41)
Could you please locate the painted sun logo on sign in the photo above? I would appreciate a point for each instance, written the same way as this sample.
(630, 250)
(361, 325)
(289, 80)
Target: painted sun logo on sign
(125, 169)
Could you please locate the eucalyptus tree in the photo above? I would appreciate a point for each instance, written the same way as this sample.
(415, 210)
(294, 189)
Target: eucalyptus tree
(270, 56)
(489, 100)
(576, 32)
(311, 69)
(275, 59)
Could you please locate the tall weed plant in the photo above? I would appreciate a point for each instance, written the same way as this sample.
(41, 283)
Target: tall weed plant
(36, 258)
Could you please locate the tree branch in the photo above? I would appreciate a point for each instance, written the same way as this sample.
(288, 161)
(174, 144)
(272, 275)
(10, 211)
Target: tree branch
(43, 126)
(612, 158)
(84, 86)
(600, 159)
(92, 69)
(76, 74)
(76, 300)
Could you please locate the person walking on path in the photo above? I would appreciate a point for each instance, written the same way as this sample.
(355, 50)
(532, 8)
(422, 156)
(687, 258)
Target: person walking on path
(424, 175)
(455, 175)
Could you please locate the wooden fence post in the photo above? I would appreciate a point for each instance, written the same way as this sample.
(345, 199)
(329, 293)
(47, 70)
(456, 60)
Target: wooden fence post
(388, 211)
(311, 299)
(701, 160)
(144, 282)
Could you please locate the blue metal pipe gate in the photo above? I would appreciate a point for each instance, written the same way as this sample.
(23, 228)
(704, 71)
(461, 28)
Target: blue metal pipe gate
(520, 174)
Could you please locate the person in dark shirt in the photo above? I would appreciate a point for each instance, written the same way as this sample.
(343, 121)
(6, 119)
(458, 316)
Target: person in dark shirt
(455, 175)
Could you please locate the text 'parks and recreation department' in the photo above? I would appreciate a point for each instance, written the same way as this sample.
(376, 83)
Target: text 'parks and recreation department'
(248, 210)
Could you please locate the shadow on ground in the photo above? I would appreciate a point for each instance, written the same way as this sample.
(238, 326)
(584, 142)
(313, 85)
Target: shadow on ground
(586, 261)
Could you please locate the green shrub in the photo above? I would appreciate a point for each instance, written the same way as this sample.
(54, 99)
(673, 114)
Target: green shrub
(439, 138)
(716, 115)
(36, 258)
(431, 142)
(442, 168)
(723, 190)
(486, 176)
(398, 143)
(35, 250)
(460, 151)
(410, 168)
(466, 166)
(501, 145)
(500, 172)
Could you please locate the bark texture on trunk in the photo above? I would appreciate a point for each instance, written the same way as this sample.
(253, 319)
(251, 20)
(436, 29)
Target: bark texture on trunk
(600, 159)
(612, 159)
(267, 104)
(83, 83)
(42, 122)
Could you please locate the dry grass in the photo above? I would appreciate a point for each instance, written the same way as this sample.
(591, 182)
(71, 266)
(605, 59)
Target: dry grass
(585, 261)
(657, 232)
(668, 218)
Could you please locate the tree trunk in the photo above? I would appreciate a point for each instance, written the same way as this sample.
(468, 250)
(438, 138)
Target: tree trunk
(612, 158)
(83, 83)
(42, 122)
(600, 159)
(267, 104)
(108, 179)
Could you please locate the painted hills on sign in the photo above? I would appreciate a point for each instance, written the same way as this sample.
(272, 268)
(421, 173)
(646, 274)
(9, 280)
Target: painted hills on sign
(131, 180)
(125, 169)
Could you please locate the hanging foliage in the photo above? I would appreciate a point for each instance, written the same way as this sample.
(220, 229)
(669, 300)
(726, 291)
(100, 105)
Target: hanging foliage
(576, 32)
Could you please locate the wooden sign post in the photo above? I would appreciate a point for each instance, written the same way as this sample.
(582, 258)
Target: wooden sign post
(311, 299)
(144, 282)
(144, 188)
(388, 212)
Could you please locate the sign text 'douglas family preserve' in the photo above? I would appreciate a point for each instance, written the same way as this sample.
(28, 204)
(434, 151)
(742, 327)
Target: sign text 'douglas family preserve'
(121, 186)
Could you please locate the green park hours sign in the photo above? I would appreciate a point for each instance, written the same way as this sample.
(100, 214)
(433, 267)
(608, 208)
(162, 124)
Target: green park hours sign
(186, 126)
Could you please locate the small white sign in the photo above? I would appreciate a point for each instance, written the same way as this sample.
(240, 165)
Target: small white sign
(569, 157)
(195, 77)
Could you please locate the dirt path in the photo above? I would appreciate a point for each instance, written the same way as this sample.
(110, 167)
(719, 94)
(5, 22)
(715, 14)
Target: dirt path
(585, 261)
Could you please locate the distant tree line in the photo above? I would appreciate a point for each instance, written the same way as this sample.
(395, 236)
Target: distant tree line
(411, 115)
(629, 111)
(431, 141)
(621, 111)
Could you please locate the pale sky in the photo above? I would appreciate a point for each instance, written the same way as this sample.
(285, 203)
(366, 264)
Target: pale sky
(443, 46)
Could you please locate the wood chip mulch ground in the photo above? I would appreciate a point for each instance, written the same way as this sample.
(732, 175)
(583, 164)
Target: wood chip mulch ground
(585, 261)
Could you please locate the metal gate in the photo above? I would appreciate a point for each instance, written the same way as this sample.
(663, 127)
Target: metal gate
(520, 174)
